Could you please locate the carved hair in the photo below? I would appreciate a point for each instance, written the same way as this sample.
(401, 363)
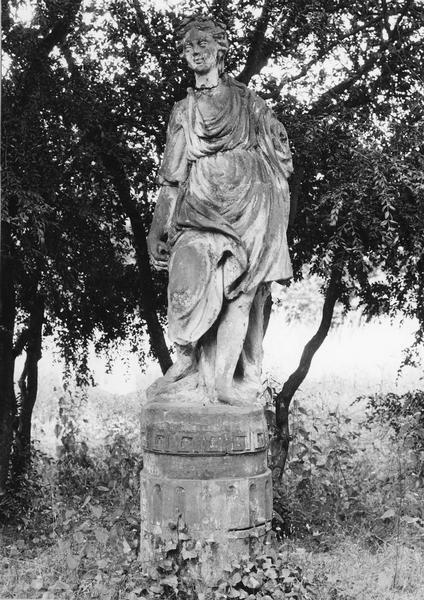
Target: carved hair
(203, 23)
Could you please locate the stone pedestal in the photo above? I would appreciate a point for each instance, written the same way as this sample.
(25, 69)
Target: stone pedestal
(205, 485)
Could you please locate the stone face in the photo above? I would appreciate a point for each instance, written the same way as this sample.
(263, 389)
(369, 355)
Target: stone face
(205, 474)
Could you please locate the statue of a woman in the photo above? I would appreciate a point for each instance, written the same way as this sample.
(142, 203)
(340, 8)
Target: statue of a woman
(220, 224)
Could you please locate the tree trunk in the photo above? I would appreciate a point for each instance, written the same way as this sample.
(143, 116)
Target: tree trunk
(148, 297)
(258, 53)
(28, 385)
(7, 359)
(284, 398)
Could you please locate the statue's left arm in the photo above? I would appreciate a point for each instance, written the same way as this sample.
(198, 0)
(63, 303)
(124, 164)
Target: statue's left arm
(273, 142)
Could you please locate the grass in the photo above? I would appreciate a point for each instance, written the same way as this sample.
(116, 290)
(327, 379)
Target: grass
(350, 571)
(78, 536)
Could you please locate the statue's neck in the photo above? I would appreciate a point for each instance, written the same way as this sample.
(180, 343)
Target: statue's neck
(207, 80)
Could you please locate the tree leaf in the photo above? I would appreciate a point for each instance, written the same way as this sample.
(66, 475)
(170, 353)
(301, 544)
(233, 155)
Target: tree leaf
(389, 514)
(96, 510)
(72, 561)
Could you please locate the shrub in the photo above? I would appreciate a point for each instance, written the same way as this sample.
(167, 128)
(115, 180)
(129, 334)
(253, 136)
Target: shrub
(404, 415)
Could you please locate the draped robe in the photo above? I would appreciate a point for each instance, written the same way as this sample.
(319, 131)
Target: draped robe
(230, 158)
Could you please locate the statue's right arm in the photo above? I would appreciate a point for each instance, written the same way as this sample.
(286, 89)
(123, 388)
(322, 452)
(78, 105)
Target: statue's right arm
(157, 240)
(172, 172)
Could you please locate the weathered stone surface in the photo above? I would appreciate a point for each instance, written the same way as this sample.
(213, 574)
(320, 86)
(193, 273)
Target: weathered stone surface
(205, 474)
(206, 506)
(219, 226)
(213, 429)
(204, 467)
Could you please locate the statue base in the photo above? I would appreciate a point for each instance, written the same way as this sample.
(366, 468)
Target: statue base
(206, 490)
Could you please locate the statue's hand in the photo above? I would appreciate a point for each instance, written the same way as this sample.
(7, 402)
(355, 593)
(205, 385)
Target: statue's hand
(159, 252)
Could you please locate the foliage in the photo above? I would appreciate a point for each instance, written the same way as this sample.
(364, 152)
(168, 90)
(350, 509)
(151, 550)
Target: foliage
(324, 473)
(393, 409)
(86, 511)
(267, 576)
(338, 478)
(263, 577)
(301, 303)
(28, 500)
(404, 415)
(78, 536)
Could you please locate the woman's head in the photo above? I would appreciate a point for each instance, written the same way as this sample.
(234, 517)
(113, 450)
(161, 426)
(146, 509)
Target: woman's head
(199, 31)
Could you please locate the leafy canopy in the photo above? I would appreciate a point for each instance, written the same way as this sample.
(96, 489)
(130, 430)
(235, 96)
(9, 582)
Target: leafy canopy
(344, 77)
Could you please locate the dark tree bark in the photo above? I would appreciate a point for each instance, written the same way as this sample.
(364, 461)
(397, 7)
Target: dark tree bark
(258, 54)
(7, 359)
(148, 297)
(295, 190)
(28, 386)
(290, 387)
(21, 342)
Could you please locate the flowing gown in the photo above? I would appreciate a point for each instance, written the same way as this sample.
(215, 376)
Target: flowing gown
(230, 158)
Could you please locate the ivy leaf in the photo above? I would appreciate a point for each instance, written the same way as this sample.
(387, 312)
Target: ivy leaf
(251, 582)
(235, 578)
(389, 514)
(271, 573)
(170, 545)
(188, 554)
(86, 501)
(156, 589)
(102, 535)
(171, 581)
(72, 561)
(96, 510)
(37, 584)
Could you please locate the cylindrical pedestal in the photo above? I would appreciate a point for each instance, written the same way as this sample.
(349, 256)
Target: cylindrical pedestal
(205, 480)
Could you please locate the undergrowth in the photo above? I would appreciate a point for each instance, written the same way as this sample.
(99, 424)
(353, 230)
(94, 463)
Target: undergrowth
(72, 532)
(351, 498)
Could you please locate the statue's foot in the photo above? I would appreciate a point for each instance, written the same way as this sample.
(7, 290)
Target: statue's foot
(227, 394)
(181, 368)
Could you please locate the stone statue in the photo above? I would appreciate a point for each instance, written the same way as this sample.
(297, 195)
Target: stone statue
(219, 225)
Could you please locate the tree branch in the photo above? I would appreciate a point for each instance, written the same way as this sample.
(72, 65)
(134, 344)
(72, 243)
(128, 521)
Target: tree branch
(6, 20)
(372, 60)
(28, 385)
(324, 53)
(295, 189)
(57, 34)
(21, 342)
(7, 361)
(258, 54)
(385, 18)
(284, 398)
